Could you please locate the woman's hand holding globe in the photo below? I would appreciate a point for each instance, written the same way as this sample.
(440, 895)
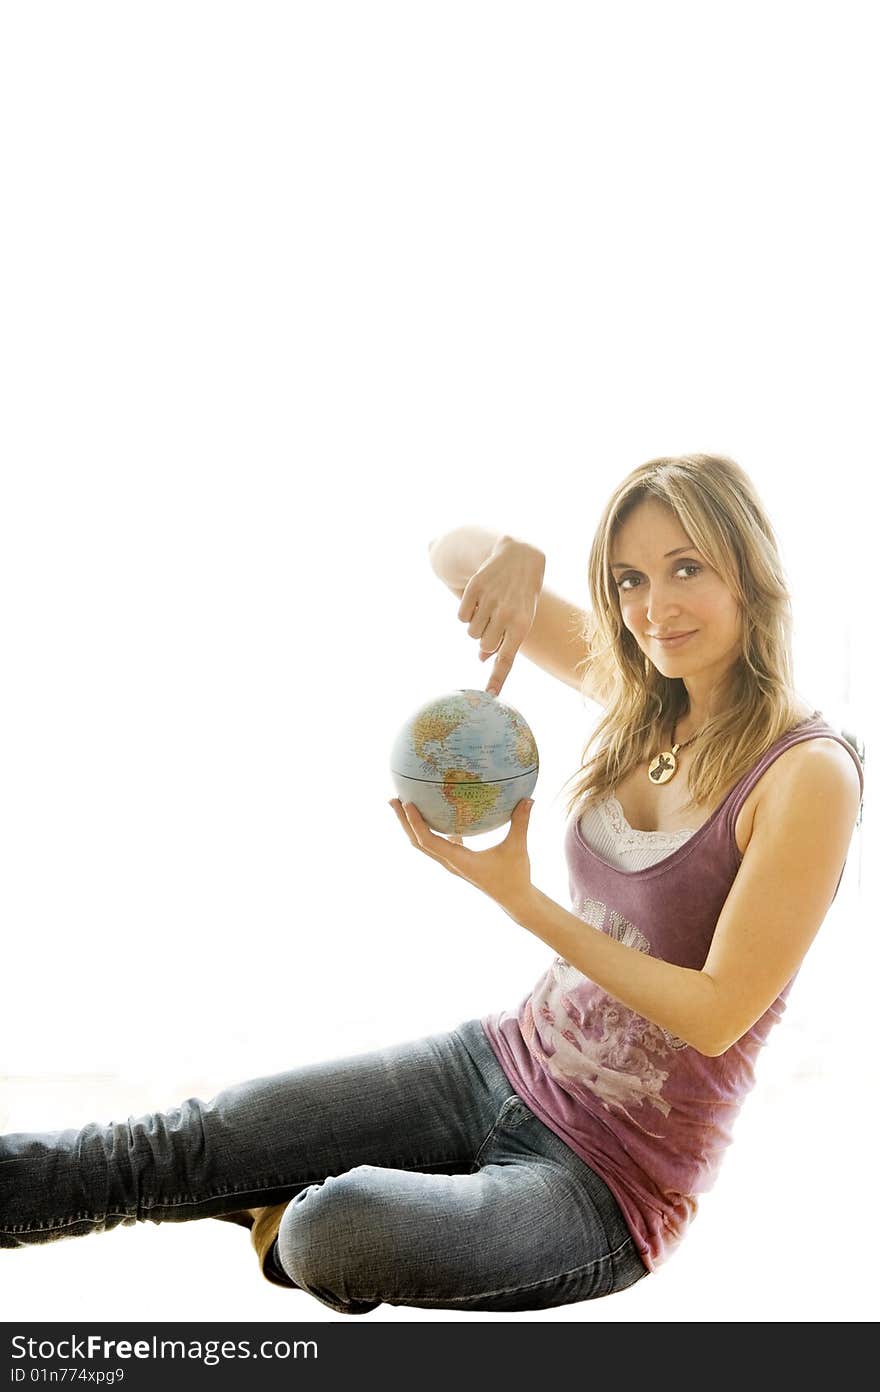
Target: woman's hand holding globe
(503, 872)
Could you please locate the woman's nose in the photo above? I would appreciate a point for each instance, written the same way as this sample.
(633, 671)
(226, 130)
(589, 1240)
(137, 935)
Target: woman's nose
(660, 612)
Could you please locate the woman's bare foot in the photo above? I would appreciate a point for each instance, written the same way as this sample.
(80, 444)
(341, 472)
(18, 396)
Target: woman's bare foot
(265, 1228)
(264, 1224)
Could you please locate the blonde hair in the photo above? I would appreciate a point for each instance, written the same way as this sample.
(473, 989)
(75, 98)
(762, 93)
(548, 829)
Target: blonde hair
(717, 505)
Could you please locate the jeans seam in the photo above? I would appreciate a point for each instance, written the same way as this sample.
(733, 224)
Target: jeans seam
(291, 1184)
(189, 1201)
(54, 1225)
(412, 1167)
(508, 1290)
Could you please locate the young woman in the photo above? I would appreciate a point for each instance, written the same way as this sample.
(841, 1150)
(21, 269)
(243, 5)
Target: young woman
(554, 1152)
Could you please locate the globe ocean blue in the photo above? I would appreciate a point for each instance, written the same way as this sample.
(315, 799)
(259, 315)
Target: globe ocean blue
(465, 760)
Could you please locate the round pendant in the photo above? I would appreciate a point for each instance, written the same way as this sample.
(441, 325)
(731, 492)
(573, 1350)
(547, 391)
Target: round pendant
(661, 769)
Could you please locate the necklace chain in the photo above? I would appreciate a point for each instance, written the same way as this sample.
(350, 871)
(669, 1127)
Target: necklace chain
(663, 766)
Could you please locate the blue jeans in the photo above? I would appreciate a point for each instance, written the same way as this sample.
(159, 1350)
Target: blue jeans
(415, 1176)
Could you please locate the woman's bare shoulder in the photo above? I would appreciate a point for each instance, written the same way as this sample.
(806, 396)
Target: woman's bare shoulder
(787, 768)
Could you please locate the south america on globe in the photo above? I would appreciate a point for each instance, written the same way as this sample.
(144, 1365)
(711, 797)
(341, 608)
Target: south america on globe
(465, 759)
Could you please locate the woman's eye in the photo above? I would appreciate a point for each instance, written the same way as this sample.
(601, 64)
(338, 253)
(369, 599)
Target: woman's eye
(687, 565)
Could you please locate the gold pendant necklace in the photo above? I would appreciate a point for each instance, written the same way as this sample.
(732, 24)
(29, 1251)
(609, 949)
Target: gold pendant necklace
(662, 767)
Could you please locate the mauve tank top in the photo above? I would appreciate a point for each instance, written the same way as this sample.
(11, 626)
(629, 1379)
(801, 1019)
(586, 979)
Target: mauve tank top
(648, 1112)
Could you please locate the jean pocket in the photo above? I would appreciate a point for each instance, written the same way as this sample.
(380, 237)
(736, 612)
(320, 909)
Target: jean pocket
(514, 1112)
(511, 1114)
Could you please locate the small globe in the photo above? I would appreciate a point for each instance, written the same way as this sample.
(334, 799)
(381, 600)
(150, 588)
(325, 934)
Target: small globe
(465, 760)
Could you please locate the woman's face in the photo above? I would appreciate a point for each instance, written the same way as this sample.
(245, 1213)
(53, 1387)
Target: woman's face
(664, 594)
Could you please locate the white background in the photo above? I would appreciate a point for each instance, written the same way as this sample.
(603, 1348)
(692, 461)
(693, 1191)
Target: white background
(288, 291)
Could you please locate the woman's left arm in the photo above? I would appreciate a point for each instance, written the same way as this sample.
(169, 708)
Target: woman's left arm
(782, 892)
(784, 887)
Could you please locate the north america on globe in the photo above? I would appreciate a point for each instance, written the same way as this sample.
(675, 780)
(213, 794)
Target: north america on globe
(465, 759)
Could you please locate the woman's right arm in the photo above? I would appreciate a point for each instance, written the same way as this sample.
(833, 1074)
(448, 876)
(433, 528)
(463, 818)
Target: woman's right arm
(553, 639)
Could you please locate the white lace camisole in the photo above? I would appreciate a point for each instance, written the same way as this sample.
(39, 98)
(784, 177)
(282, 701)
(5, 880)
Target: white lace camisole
(610, 835)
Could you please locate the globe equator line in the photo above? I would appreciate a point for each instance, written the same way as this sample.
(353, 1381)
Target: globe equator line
(465, 783)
